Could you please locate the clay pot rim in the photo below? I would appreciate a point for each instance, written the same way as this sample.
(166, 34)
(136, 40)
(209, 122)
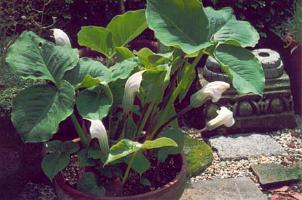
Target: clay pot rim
(60, 183)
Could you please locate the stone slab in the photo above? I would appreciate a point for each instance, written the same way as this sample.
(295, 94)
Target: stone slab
(269, 174)
(246, 146)
(241, 188)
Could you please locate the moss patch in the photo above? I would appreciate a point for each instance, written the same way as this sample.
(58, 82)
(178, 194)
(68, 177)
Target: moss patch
(199, 155)
(10, 85)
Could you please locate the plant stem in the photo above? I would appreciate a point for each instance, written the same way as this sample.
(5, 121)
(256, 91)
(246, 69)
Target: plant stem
(171, 101)
(197, 59)
(184, 111)
(144, 120)
(79, 130)
(202, 130)
(125, 177)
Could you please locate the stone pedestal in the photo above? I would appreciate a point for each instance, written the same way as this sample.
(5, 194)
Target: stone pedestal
(272, 111)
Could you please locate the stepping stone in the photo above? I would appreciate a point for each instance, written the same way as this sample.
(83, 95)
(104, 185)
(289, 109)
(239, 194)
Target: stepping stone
(271, 174)
(246, 146)
(241, 188)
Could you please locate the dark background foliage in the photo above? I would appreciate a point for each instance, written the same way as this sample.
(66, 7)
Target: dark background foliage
(70, 15)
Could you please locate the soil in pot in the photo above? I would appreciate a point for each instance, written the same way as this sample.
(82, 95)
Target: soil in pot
(158, 175)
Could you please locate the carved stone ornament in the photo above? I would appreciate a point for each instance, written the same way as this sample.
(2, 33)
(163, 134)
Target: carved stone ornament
(272, 111)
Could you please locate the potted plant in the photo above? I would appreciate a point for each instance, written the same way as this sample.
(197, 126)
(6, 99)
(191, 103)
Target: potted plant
(129, 145)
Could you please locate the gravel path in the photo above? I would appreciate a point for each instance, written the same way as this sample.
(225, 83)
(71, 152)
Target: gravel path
(290, 139)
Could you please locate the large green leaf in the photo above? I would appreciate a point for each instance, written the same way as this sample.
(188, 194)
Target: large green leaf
(122, 149)
(243, 67)
(53, 163)
(123, 69)
(120, 31)
(224, 27)
(57, 157)
(88, 67)
(84, 159)
(96, 38)
(94, 103)
(150, 59)
(123, 53)
(180, 23)
(153, 85)
(31, 57)
(140, 163)
(127, 26)
(159, 143)
(126, 147)
(175, 134)
(38, 110)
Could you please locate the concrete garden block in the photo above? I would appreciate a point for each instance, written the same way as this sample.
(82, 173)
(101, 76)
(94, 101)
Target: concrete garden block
(245, 146)
(224, 189)
(270, 174)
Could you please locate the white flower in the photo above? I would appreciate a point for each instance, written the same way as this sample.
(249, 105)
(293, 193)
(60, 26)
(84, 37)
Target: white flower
(224, 117)
(131, 88)
(211, 90)
(61, 38)
(215, 89)
(98, 131)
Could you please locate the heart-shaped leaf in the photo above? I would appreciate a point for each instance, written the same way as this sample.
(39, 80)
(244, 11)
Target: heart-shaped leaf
(175, 134)
(242, 67)
(126, 147)
(123, 53)
(96, 38)
(159, 143)
(53, 163)
(123, 69)
(84, 159)
(119, 32)
(38, 110)
(127, 26)
(88, 67)
(180, 23)
(224, 27)
(122, 149)
(140, 163)
(94, 103)
(33, 58)
(58, 157)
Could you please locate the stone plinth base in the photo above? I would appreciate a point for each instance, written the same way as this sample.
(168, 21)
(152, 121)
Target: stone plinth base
(272, 111)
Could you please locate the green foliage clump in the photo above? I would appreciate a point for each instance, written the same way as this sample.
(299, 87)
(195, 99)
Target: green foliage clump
(123, 109)
(267, 16)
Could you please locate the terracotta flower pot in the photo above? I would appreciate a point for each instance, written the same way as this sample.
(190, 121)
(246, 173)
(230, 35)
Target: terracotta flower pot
(171, 191)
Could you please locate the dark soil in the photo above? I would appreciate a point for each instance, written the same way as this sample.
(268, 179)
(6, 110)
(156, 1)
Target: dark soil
(158, 175)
